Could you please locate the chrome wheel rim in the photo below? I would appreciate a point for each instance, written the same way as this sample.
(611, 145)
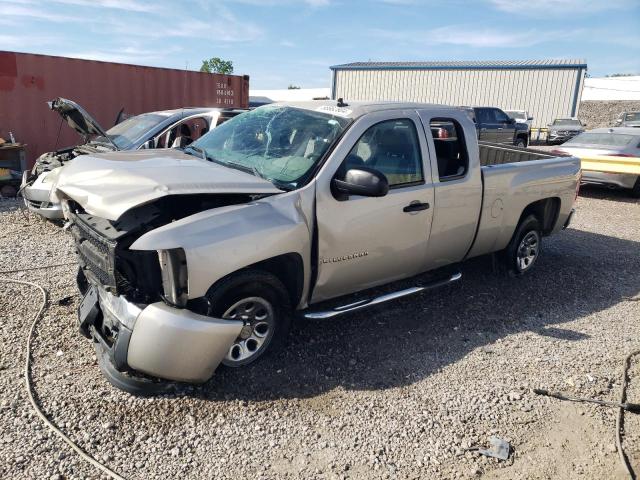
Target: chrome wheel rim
(258, 318)
(528, 251)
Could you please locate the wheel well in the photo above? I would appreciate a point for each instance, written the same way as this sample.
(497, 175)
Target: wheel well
(546, 210)
(287, 268)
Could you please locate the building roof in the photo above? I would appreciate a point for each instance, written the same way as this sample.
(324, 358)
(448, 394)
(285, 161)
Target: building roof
(462, 65)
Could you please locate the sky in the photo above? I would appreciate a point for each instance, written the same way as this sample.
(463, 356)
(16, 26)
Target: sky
(285, 42)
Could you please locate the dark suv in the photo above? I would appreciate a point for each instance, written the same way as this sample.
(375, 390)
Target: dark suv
(493, 125)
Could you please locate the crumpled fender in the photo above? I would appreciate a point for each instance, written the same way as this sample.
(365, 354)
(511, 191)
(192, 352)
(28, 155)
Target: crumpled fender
(221, 241)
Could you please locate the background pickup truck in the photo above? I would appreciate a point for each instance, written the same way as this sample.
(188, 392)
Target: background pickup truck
(195, 257)
(493, 125)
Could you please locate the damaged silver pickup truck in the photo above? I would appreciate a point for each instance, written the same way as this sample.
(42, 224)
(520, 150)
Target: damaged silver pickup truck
(196, 257)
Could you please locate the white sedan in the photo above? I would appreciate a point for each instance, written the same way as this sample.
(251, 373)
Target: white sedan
(615, 142)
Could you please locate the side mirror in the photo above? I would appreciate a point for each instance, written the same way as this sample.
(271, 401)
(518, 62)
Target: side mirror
(511, 120)
(363, 181)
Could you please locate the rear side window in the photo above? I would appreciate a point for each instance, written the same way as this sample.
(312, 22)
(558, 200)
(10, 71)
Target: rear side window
(451, 150)
(391, 147)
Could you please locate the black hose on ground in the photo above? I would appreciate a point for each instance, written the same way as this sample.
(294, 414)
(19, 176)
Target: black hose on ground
(30, 390)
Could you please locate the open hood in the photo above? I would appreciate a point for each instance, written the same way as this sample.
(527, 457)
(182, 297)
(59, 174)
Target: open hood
(107, 185)
(78, 118)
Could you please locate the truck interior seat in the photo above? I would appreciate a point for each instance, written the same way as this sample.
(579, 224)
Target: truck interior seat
(394, 153)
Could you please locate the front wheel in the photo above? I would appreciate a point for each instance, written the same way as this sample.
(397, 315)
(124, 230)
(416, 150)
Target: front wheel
(261, 302)
(521, 143)
(522, 252)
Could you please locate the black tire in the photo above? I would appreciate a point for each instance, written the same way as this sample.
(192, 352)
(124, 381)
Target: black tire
(515, 258)
(635, 191)
(521, 143)
(267, 291)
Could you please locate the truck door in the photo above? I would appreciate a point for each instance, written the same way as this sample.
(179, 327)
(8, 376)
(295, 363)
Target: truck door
(457, 183)
(367, 241)
(506, 131)
(487, 125)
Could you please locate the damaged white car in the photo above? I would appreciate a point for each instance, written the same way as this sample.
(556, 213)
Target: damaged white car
(191, 258)
(168, 128)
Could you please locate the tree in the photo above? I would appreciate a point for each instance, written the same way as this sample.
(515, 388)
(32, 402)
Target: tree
(293, 87)
(217, 65)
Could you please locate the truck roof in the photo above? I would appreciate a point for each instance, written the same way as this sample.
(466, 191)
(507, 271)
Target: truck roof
(359, 108)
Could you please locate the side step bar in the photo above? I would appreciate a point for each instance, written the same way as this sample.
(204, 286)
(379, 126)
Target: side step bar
(352, 307)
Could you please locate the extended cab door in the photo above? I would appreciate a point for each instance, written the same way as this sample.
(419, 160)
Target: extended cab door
(487, 125)
(367, 241)
(457, 183)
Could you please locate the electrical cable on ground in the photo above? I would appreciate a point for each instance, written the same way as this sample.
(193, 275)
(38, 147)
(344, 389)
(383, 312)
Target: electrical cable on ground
(38, 268)
(621, 405)
(30, 391)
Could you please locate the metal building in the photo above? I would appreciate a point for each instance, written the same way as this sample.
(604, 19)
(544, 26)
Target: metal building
(547, 89)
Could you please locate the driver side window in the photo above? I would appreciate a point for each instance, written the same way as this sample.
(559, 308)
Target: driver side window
(392, 148)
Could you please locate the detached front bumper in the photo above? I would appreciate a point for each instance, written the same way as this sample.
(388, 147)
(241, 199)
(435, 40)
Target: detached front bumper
(157, 340)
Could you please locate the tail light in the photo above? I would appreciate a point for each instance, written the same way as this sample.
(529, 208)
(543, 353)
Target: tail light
(627, 155)
(561, 153)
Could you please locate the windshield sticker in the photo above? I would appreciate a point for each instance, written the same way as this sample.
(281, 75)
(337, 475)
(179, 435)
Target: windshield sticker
(339, 111)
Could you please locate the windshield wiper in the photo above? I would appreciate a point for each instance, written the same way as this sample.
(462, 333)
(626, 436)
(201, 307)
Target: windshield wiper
(245, 168)
(198, 150)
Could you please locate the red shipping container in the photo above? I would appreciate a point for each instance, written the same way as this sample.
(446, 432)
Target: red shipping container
(28, 81)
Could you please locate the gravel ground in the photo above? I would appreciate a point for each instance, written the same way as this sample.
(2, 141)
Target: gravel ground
(601, 113)
(396, 392)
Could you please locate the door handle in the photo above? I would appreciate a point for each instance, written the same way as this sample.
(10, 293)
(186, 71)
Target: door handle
(415, 207)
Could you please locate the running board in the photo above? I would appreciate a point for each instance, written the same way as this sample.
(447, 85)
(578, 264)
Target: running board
(352, 307)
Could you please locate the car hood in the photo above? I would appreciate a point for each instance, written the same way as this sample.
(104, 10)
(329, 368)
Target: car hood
(107, 185)
(78, 118)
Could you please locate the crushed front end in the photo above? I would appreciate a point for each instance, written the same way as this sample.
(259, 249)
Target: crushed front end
(135, 307)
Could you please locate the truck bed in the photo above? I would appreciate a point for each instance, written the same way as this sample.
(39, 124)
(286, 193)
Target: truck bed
(514, 178)
(498, 154)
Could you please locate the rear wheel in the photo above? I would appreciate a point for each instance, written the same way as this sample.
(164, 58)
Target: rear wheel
(522, 252)
(261, 302)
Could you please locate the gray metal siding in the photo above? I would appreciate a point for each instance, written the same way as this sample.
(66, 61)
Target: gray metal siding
(547, 93)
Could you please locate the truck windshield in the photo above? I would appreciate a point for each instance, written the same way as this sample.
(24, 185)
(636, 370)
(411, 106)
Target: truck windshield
(632, 117)
(278, 143)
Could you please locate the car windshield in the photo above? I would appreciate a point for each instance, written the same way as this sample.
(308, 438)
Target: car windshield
(601, 139)
(517, 115)
(127, 133)
(567, 122)
(279, 143)
(632, 117)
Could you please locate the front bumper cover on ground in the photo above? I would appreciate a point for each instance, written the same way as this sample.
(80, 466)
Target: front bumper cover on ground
(157, 340)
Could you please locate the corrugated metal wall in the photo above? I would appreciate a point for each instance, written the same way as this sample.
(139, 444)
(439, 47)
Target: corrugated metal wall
(546, 93)
(28, 81)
